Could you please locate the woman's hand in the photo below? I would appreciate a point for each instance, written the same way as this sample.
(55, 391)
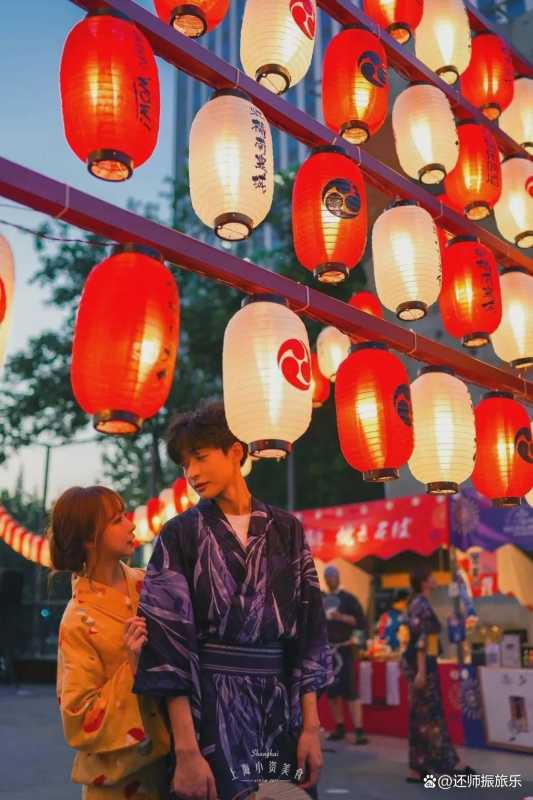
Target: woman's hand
(134, 638)
(309, 756)
(193, 779)
(420, 680)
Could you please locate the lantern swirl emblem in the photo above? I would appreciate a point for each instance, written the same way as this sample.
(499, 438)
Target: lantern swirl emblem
(524, 445)
(403, 405)
(372, 68)
(304, 14)
(341, 198)
(294, 362)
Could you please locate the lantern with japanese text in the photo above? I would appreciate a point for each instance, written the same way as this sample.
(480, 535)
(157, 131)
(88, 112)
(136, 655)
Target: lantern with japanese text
(424, 133)
(143, 531)
(329, 216)
(443, 38)
(319, 383)
(517, 119)
(503, 470)
(109, 95)
(181, 500)
(373, 405)
(444, 429)
(266, 368)
(153, 510)
(332, 347)
(513, 339)
(367, 302)
(168, 506)
(470, 299)
(355, 87)
(488, 81)
(231, 167)
(7, 288)
(125, 340)
(277, 41)
(193, 18)
(514, 209)
(475, 183)
(407, 263)
(400, 18)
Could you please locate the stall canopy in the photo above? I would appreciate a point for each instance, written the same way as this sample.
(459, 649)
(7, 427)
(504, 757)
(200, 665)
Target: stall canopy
(474, 522)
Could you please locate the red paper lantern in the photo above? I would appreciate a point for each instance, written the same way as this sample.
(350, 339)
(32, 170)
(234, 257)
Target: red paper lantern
(367, 302)
(319, 383)
(503, 469)
(400, 18)
(470, 299)
(181, 499)
(193, 18)
(475, 183)
(488, 81)
(329, 214)
(355, 88)
(109, 95)
(125, 340)
(154, 510)
(374, 418)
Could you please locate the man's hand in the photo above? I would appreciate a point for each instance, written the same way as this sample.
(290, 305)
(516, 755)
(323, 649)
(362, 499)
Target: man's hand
(193, 779)
(309, 757)
(134, 638)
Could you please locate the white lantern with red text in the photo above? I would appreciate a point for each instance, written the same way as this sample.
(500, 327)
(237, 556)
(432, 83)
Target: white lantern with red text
(513, 338)
(266, 367)
(514, 209)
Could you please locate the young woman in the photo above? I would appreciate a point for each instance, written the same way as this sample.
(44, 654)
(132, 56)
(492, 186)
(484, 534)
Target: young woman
(120, 738)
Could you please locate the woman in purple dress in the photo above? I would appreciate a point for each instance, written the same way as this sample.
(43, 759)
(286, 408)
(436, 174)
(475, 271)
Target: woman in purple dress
(237, 641)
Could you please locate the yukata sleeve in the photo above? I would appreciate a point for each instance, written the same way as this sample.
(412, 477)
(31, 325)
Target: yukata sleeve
(99, 713)
(421, 625)
(168, 664)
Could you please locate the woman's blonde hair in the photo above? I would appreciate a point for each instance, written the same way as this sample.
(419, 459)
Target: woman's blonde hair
(79, 516)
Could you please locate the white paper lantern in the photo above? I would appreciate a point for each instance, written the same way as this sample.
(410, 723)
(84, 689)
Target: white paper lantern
(444, 430)
(192, 495)
(231, 165)
(442, 39)
(407, 260)
(425, 135)
(143, 532)
(7, 288)
(277, 40)
(247, 466)
(266, 368)
(332, 347)
(513, 339)
(517, 119)
(168, 505)
(514, 209)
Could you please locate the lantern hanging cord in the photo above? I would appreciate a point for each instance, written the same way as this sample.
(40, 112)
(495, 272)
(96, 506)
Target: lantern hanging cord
(41, 235)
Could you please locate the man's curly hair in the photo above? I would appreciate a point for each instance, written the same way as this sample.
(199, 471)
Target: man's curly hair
(205, 427)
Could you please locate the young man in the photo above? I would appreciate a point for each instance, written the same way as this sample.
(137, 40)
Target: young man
(237, 640)
(344, 615)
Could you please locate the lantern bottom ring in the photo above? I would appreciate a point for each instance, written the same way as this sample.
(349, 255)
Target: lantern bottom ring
(189, 20)
(110, 165)
(233, 227)
(476, 339)
(442, 487)
(274, 77)
(491, 111)
(522, 363)
(449, 74)
(528, 146)
(269, 448)
(355, 131)
(332, 272)
(117, 423)
(381, 475)
(478, 210)
(524, 239)
(506, 502)
(412, 310)
(400, 32)
(432, 174)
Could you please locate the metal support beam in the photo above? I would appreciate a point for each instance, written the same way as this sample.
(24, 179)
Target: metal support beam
(189, 56)
(51, 197)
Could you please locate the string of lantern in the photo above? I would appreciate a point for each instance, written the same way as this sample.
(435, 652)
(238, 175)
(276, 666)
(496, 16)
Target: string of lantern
(27, 544)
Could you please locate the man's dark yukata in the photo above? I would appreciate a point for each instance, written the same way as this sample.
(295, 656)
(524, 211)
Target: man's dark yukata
(242, 632)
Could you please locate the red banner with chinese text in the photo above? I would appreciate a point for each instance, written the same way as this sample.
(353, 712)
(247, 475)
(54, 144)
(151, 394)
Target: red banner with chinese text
(381, 528)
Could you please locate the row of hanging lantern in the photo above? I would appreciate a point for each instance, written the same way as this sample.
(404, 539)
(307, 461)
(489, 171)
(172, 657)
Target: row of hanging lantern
(7, 289)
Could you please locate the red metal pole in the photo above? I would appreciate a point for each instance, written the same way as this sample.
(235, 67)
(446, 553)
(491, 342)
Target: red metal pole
(51, 197)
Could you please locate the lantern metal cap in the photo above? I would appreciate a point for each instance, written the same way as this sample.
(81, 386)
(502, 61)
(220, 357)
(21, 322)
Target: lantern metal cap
(117, 423)
(142, 249)
(110, 165)
(449, 74)
(432, 174)
(505, 395)
(467, 121)
(262, 76)
(328, 148)
(491, 111)
(505, 159)
(107, 12)
(269, 448)
(477, 339)
(368, 346)
(193, 20)
(332, 272)
(400, 202)
(233, 226)
(442, 487)
(232, 92)
(400, 31)
(434, 368)
(506, 502)
(355, 131)
(412, 310)
(264, 298)
(381, 475)
(507, 270)
(460, 239)
(522, 363)
(478, 210)
(524, 239)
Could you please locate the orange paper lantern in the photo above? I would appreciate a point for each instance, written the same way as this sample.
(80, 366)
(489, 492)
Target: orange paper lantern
(319, 383)
(181, 499)
(503, 469)
(475, 183)
(125, 340)
(355, 88)
(367, 302)
(154, 510)
(400, 18)
(488, 81)
(329, 215)
(109, 95)
(193, 18)
(470, 299)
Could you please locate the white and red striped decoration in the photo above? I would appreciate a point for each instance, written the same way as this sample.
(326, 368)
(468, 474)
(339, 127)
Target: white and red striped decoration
(27, 544)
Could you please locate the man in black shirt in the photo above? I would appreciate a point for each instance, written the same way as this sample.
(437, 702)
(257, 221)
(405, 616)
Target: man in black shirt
(344, 615)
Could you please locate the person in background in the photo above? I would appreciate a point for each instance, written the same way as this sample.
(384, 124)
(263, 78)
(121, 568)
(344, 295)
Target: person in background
(345, 616)
(121, 740)
(430, 747)
(389, 623)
